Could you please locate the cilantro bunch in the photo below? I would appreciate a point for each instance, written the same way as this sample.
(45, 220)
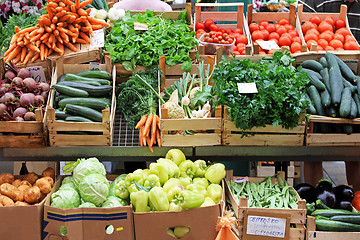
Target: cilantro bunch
(280, 97)
(165, 37)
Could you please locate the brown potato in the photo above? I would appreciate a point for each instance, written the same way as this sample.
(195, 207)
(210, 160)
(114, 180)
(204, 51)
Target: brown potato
(42, 196)
(51, 181)
(6, 201)
(24, 182)
(24, 188)
(49, 172)
(6, 178)
(12, 192)
(32, 195)
(16, 183)
(44, 185)
(31, 177)
(1, 204)
(21, 204)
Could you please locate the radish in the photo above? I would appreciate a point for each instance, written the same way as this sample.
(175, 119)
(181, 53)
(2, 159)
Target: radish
(20, 112)
(27, 100)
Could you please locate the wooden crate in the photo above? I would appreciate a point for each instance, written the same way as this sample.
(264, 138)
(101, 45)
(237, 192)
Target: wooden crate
(305, 16)
(170, 127)
(265, 169)
(312, 234)
(273, 17)
(237, 17)
(297, 216)
(61, 133)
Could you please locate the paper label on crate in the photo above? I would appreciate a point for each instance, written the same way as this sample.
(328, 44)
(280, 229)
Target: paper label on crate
(247, 87)
(268, 45)
(266, 226)
(241, 179)
(141, 26)
(98, 40)
(94, 66)
(37, 73)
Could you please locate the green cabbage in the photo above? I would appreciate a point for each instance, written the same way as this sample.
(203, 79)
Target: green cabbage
(86, 167)
(68, 179)
(87, 205)
(65, 198)
(94, 188)
(112, 202)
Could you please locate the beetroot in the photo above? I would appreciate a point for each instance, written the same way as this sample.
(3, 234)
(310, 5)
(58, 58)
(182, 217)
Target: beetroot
(23, 73)
(19, 119)
(9, 75)
(29, 116)
(39, 100)
(2, 90)
(44, 87)
(18, 82)
(9, 98)
(44, 94)
(27, 100)
(2, 99)
(30, 84)
(3, 109)
(20, 112)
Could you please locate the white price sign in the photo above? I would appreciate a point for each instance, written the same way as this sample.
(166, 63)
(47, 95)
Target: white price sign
(268, 45)
(94, 66)
(37, 73)
(266, 226)
(98, 40)
(247, 88)
(141, 26)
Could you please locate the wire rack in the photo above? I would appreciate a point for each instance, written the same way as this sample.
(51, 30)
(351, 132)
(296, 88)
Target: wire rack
(123, 135)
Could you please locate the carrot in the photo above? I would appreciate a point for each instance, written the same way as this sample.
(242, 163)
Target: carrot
(20, 38)
(77, 26)
(51, 38)
(80, 40)
(53, 10)
(77, 4)
(47, 44)
(32, 47)
(153, 130)
(140, 137)
(71, 19)
(46, 52)
(11, 48)
(73, 8)
(148, 141)
(85, 37)
(42, 52)
(38, 43)
(84, 3)
(14, 39)
(58, 50)
(158, 138)
(71, 46)
(41, 22)
(26, 41)
(96, 27)
(94, 21)
(50, 51)
(21, 44)
(41, 30)
(59, 10)
(37, 55)
(17, 29)
(58, 37)
(50, 12)
(52, 4)
(141, 121)
(48, 29)
(61, 4)
(71, 34)
(26, 30)
(52, 26)
(43, 37)
(68, 2)
(71, 27)
(60, 46)
(61, 29)
(28, 56)
(64, 18)
(54, 20)
(46, 21)
(84, 29)
(56, 32)
(33, 33)
(158, 122)
(60, 14)
(148, 123)
(17, 59)
(88, 11)
(65, 24)
(87, 24)
(64, 37)
(82, 12)
(79, 20)
(23, 53)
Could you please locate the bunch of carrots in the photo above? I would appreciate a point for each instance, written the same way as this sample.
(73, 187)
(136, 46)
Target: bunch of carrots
(65, 24)
(149, 132)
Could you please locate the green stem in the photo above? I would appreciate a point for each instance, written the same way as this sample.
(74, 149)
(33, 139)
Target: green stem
(150, 87)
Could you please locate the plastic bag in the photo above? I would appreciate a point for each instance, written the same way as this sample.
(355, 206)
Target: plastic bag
(141, 5)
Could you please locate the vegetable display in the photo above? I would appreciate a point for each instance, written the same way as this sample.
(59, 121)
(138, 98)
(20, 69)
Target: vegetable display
(20, 95)
(164, 37)
(265, 194)
(65, 24)
(26, 190)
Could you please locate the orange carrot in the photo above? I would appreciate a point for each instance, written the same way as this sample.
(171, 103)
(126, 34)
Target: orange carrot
(55, 19)
(94, 21)
(56, 49)
(148, 123)
(43, 37)
(71, 19)
(41, 22)
(42, 52)
(64, 37)
(64, 18)
(41, 30)
(68, 2)
(11, 48)
(140, 137)
(70, 46)
(52, 4)
(153, 130)
(47, 44)
(33, 33)
(61, 4)
(71, 27)
(46, 21)
(52, 26)
(14, 39)
(26, 41)
(23, 54)
(28, 56)
(17, 29)
(80, 40)
(158, 138)
(61, 29)
(141, 121)
(84, 3)
(51, 38)
(73, 8)
(148, 141)
(96, 27)
(21, 44)
(56, 32)
(29, 29)
(88, 11)
(58, 37)
(60, 46)
(17, 59)
(46, 52)
(77, 4)
(84, 36)
(71, 34)
(37, 55)
(84, 29)
(50, 12)
(59, 10)
(50, 51)
(48, 29)
(38, 43)
(82, 12)
(27, 35)
(32, 47)
(20, 38)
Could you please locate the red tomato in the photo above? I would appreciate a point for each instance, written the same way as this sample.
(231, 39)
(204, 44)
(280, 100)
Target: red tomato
(228, 31)
(264, 23)
(200, 25)
(216, 40)
(271, 28)
(208, 23)
(214, 27)
(238, 30)
(222, 30)
(265, 33)
(235, 53)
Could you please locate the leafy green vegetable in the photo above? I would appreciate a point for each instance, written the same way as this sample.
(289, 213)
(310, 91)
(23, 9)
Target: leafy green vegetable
(280, 97)
(86, 167)
(165, 37)
(65, 198)
(94, 188)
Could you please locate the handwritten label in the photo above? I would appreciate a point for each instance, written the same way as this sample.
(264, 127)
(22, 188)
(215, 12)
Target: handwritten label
(247, 87)
(94, 66)
(266, 226)
(97, 41)
(241, 179)
(141, 26)
(37, 73)
(267, 45)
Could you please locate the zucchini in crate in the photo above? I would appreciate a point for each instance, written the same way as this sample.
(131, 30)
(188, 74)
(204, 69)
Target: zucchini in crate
(77, 119)
(76, 78)
(94, 91)
(313, 65)
(70, 91)
(94, 103)
(336, 226)
(84, 112)
(95, 74)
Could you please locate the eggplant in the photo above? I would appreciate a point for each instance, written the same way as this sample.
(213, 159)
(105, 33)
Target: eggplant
(306, 191)
(346, 205)
(344, 193)
(325, 192)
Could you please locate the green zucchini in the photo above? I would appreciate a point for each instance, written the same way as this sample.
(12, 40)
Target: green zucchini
(94, 91)
(326, 79)
(345, 105)
(336, 85)
(84, 112)
(76, 78)
(325, 98)
(336, 226)
(93, 83)
(331, 212)
(61, 78)
(315, 96)
(357, 101)
(311, 109)
(316, 82)
(70, 91)
(60, 114)
(313, 65)
(353, 110)
(355, 219)
(94, 103)
(345, 70)
(331, 112)
(95, 74)
(77, 119)
(331, 60)
(318, 75)
(348, 84)
(348, 129)
(323, 62)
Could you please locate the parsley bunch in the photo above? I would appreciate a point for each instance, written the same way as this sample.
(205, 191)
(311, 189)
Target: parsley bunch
(280, 97)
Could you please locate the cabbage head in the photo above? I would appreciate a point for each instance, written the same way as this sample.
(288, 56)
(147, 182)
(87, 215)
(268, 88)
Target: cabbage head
(94, 188)
(68, 179)
(87, 205)
(112, 202)
(86, 167)
(65, 198)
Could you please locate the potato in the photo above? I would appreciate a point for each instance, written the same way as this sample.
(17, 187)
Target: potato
(21, 204)
(1, 204)
(12, 192)
(24, 188)
(6, 201)
(31, 177)
(49, 172)
(44, 185)
(51, 181)
(16, 183)
(42, 196)
(32, 195)
(6, 178)
(24, 182)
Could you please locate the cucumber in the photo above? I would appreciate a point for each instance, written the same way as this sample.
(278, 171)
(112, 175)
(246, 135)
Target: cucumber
(94, 103)
(70, 91)
(75, 78)
(311, 109)
(336, 226)
(318, 75)
(331, 212)
(84, 112)
(345, 70)
(93, 83)
(348, 84)
(316, 82)
(331, 60)
(62, 96)
(331, 112)
(323, 62)
(325, 98)
(313, 65)
(345, 105)
(315, 96)
(95, 74)
(353, 109)
(357, 101)
(326, 79)
(61, 78)
(77, 119)
(336, 85)
(60, 114)
(349, 219)
(94, 91)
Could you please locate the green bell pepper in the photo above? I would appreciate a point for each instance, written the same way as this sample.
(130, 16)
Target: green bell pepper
(187, 168)
(214, 191)
(175, 155)
(132, 188)
(152, 180)
(140, 201)
(174, 191)
(161, 171)
(202, 181)
(170, 232)
(179, 232)
(132, 177)
(113, 184)
(174, 207)
(208, 202)
(215, 173)
(185, 181)
(158, 198)
(197, 188)
(201, 167)
(188, 199)
(174, 171)
(121, 190)
(172, 182)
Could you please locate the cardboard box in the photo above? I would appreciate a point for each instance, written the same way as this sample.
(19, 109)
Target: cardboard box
(87, 223)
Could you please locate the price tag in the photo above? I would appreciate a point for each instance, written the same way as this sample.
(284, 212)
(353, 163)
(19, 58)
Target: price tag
(267, 45)
(97, 41)
(37, 73)
(94, 66)
(141, 26)
(247, 88)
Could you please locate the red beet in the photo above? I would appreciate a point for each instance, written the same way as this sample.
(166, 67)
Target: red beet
(18, 82)
(20, 112)
(30, 84)
(9, 98)
(23, 73)
(9, 75)
(44, 87)
(29, 116)
(27, 100)
(39, 100)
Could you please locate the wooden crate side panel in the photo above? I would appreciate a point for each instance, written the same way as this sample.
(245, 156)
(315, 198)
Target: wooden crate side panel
(79, 140)
(230, 126)
(320, 235)
(332, 139)
(190, 124)
(271, 16)
(264, 140)
(324, 119)
(77, 126)
(190, 140)
(21, 127)
(23, 141)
